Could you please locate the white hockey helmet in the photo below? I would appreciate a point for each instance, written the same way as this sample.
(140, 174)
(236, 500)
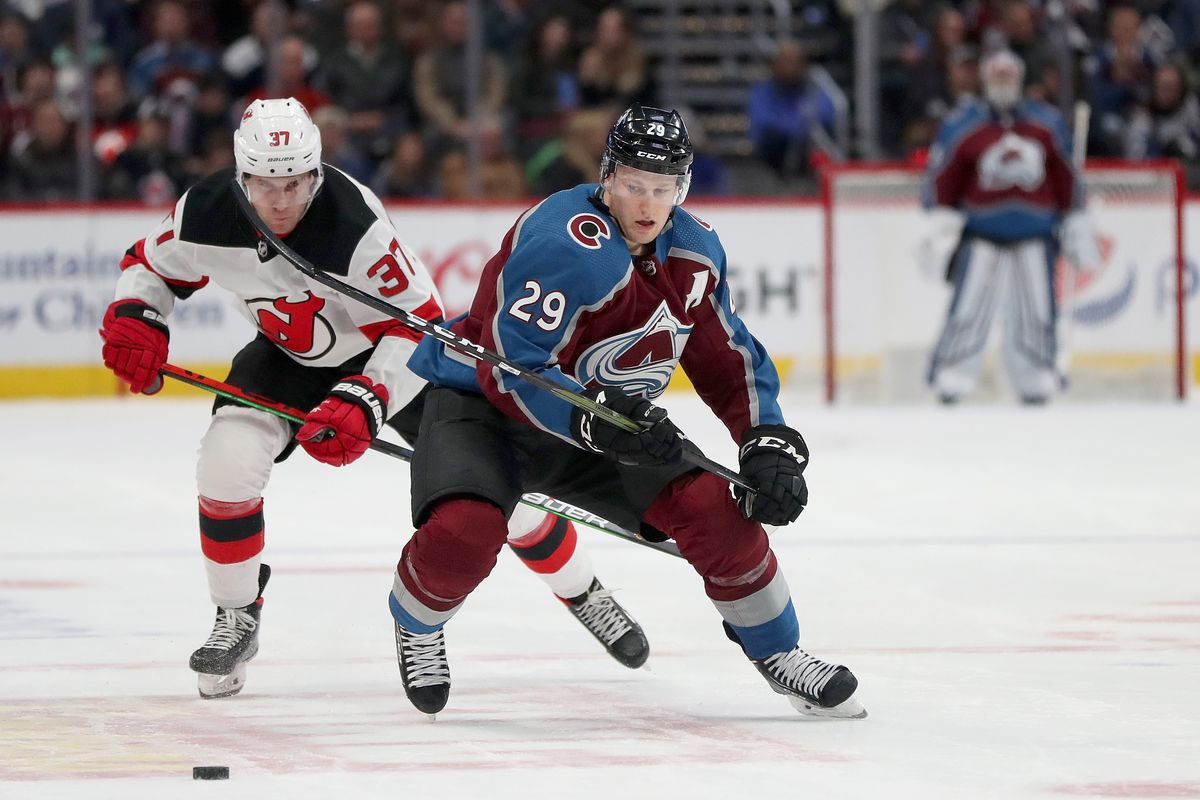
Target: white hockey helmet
(1003, 79)
(276, 139)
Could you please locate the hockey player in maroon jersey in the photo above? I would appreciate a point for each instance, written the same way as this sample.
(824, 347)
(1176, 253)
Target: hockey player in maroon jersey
(606, 289)
(1003, 198)
(314, 349)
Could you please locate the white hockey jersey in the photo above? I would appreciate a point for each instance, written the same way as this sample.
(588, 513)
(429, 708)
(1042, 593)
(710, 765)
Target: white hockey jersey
(345, 232)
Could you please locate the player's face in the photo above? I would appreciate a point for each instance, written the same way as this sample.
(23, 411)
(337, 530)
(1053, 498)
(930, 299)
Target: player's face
(281, 202)
(640, 202)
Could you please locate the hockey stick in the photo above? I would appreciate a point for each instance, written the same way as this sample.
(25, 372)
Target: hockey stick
(463, 345)
(1062, 359)
(536, 500)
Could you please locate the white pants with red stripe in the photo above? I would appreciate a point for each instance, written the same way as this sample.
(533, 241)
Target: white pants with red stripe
(236, 457)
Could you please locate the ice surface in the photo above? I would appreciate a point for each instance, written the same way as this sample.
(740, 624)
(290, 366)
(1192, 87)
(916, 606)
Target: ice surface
(1018, 591)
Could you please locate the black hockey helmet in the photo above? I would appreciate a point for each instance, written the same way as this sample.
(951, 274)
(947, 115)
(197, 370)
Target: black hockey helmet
(650, 139)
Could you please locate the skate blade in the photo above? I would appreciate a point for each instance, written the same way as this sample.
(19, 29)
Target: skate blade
(849, 708)
(214, 686)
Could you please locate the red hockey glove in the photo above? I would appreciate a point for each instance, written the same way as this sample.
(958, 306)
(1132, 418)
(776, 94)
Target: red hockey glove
(340, 429)
(135, 343)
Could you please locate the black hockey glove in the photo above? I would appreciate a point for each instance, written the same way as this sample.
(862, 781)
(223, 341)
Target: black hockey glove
(660, 443)
(772, 460)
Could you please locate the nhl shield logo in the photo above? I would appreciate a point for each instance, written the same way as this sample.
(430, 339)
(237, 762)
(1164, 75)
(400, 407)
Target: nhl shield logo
(263, 250)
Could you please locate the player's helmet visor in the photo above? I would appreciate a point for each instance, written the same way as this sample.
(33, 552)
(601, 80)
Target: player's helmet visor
(652, 140)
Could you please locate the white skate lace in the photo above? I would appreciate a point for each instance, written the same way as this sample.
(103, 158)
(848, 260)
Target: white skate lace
(599, 613)
(424, 659)
(797, 669)
(230, 628)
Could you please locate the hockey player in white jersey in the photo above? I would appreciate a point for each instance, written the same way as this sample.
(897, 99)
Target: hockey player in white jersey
(1003, 198)
(314, 349)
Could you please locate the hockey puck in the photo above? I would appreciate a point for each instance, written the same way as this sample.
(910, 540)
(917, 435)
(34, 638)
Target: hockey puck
(210, 773)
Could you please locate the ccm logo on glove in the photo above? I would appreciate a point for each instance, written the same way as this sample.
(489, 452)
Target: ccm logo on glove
(772, 459)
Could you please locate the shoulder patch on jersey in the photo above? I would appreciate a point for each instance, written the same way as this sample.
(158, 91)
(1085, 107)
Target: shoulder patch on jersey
(588, 229)
(336, 222)
(211, 215)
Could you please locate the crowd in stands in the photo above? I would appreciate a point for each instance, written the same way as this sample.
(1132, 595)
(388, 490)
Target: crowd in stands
(386, 81)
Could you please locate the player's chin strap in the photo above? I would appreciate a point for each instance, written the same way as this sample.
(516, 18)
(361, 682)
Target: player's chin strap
(540, 501)
(465, 346)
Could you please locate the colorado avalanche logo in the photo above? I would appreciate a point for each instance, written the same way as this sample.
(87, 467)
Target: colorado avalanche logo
(639, 362)
(1012, 161)
(588, 230)
(296, 326)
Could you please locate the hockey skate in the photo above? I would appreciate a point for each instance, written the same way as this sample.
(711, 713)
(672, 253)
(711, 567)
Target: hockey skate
(612, 626)
(220, 663)
(814, 687)
(424, 669)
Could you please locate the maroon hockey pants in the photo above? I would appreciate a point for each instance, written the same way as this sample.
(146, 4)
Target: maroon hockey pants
(456, 548)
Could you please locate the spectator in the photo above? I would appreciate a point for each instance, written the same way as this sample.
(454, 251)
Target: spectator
(571, 159)
(35, 83)
(171, 56)
(613, 69)
(211, 113)
(928, 90)
(441, 86)
(904, 39)
(45, 168)
(336, 148)
(784, 110)
(115, 116)
(1120, 81)
(148, 170)
(544, 87)
(406, 172)
(292, 77)
(368, 78)
(1169, 125)
(499, 179)
(245, 61)
(15, 52)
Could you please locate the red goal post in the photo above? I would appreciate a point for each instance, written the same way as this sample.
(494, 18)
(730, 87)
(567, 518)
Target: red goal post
(883, 310)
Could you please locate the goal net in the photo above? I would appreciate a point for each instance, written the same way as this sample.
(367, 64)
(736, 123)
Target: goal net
(1122, 324)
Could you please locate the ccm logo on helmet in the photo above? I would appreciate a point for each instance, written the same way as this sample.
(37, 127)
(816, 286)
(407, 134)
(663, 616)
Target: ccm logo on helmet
(652, 156)
(588, 230)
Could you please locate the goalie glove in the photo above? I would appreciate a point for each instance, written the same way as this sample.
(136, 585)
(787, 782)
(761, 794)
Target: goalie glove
(658, 443)
(1079, 242)
(772, 460)
(136, 338)
(340, 430)
(942, 231)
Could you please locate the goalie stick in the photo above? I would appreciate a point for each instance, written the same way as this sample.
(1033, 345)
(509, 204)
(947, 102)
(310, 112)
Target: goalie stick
(1062, 359)
(534, 499)
(463, 345)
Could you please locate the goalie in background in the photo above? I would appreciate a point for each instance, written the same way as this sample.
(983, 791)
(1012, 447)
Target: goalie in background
(315, 349)
(1002, 199)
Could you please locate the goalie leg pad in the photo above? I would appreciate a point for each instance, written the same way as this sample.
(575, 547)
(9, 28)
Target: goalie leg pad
(958, 356)
(1030, 341)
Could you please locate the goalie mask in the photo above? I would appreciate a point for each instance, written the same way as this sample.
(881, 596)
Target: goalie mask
(1003, 80)
(652, 140)
(277, 141)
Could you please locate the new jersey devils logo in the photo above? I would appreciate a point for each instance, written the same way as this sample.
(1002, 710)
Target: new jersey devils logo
(296, 326)
(639, 362)
(588, 230)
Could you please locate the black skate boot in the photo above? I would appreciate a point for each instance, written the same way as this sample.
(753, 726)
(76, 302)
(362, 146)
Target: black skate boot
(221, 662)
(423, 668)
(813, 687)
(612, 626)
